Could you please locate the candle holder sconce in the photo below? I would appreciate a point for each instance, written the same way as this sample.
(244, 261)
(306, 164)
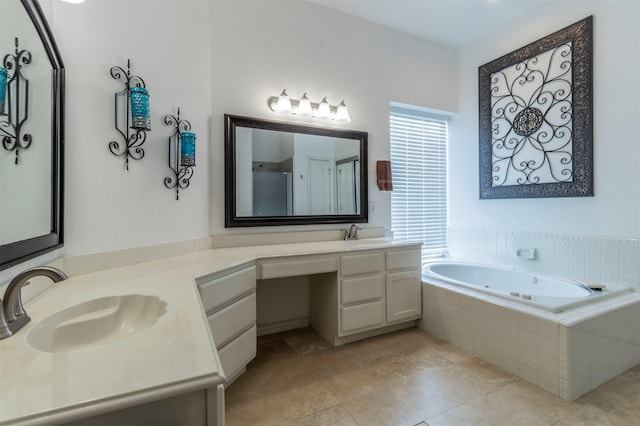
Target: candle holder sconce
(132, 118)
(182, 153)
(14, 101)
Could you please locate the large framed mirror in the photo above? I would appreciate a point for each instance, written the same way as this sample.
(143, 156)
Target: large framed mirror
(31, 187)
(290, 174)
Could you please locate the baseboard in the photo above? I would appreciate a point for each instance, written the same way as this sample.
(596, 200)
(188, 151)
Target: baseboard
(339, 341)
(279, 327)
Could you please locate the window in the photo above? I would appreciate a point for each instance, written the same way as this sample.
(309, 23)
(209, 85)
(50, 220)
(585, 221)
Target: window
(419, 171)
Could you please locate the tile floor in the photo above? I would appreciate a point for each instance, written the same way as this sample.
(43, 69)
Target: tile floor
(405, 378)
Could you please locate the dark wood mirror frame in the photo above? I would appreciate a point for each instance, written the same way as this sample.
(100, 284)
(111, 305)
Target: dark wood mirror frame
(233, 220)
(14, 253)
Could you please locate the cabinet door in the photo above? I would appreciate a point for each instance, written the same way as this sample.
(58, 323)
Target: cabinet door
(404, 300)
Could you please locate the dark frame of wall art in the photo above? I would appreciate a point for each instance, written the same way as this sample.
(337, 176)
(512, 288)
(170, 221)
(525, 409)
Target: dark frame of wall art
(536, 118)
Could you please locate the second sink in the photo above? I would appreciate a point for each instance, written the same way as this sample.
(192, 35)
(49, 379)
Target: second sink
(96, 321)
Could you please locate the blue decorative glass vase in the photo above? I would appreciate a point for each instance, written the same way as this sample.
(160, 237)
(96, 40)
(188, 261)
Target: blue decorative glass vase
(3, 88)
(140, 117)
(187, 149)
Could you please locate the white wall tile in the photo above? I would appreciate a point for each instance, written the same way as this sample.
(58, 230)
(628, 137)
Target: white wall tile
(549, 383)
(615, 260)
(548, 330)
(528, 340)
(548, 348)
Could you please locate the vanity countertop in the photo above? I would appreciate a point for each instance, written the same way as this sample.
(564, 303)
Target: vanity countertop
(175, 355)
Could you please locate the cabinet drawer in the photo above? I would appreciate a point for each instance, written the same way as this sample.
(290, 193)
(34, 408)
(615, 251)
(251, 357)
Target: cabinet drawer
(238, 352)
(232, 320)
(298, 267)
(358, 317)
(361, 264)
(361, 289)
(403, 259)
(220, 291)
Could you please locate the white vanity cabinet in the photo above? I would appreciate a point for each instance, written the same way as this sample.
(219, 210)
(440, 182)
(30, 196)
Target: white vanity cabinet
(229, 299)
(379, 288)
(373, 291)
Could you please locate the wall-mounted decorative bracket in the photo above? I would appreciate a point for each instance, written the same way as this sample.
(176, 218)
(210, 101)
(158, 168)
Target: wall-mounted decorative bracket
(131, 114)
(15, 110)
(182, 153)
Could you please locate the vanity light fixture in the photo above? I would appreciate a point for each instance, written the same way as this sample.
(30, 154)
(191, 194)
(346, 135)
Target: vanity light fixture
(14, 99)
(73, 1)
(305, 108)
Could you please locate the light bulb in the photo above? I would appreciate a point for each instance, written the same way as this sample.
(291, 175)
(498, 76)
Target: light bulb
(342, 113)
(284, 104)
(304, 106)
(324, 110)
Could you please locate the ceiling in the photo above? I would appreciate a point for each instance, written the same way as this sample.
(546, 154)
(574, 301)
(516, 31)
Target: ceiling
(453, 23)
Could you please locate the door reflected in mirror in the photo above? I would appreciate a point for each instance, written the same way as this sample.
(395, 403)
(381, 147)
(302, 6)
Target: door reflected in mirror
(280, 173)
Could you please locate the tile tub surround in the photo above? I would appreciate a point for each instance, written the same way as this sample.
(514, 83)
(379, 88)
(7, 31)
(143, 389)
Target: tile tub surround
(567, 354)
(582, 257)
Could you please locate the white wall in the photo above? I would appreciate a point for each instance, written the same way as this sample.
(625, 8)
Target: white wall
(259, 48)
(615, 208)
(167, 41)
(212, 58)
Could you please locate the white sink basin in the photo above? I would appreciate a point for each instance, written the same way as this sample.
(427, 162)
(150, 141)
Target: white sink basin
(96, 321)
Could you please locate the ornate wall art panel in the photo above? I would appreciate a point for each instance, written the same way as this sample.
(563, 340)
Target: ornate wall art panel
(536, 121)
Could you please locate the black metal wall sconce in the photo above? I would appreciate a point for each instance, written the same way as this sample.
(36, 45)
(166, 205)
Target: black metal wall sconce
(132, 118)
(14, 101)
(182, 153)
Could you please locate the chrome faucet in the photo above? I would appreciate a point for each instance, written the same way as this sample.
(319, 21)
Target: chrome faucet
(352, 232)
(12, 314)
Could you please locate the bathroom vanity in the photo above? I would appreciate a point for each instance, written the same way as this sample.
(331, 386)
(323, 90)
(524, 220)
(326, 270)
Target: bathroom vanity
(177, 367)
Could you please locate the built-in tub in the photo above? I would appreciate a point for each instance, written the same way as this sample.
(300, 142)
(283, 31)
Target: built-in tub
(567, 343)
(553, 294)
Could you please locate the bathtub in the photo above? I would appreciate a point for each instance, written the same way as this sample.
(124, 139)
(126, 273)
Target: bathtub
(553, 294)
(565, 338)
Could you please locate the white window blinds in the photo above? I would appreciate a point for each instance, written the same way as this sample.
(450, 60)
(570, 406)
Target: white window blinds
(419, 170)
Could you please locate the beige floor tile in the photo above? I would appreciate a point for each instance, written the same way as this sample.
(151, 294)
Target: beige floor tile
(590, 415)
(381, 409)
(307, 341)
(406, 378)
(334, 416)
(435, 391)
(333, 361)
(520, 402)
(272, 376)
(361, 382)
(280, 407)
(489, 373)
(620, 396)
